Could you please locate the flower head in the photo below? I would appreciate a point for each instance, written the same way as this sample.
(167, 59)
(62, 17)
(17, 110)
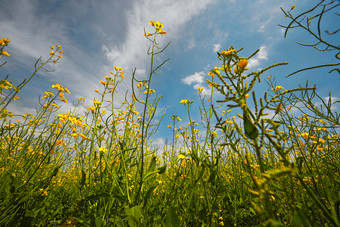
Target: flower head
(243, 63)
(184, 101)
(5, 53)
(4, 41)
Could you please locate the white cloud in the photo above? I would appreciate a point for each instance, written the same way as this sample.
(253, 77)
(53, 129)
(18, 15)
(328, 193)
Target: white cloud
(135, 45)
(259, 57)
(217, 47)
(33, 27)
(196, 78)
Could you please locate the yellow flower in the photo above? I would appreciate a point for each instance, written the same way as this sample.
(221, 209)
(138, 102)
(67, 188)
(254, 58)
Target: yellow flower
(247, 95)
(60, 88)
(96, 102)
(52, 53)
(147, 35)
(4, 41)
(228, 52)
(92, 108)
(184, 101)
(293, 7)
(181, 156)
(277, 88)
(103, 149)
(162, 32)
(305, 135)
(83, 136)
(117, 68)
(61, 95)
(74, 134)
(5, 53)
(150, 91)
(59, 142)
(243, 63)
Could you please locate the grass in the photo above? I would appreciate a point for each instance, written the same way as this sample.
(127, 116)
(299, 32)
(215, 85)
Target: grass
(97, 169)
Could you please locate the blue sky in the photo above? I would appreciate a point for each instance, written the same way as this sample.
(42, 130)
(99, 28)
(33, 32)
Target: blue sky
(97, 35)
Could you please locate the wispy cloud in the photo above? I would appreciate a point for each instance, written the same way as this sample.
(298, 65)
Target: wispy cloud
(196, 78)
(217, 47)
(262, 55)
(133, 49)
(90, 48)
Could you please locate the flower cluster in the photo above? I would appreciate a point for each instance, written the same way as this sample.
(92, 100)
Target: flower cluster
(4, 42)
(55, 50)
(61, 90)
(120, 70)
(158, 27)
(228, 52)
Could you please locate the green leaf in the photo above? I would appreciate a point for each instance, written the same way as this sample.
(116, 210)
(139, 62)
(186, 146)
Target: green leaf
(83, 179)
(250, 129)
(135, 212)
(99, 222)
(161, 170)
(118, 222)
(152, 164)
(148, 194)
(300, 219)
(172, 220)
(102, 195)
(276, 224)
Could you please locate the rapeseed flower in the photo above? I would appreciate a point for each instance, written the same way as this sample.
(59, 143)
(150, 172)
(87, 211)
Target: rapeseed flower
(228, 52)
(181, 156)
(102, 149)
(75, 135)
(4, 41)
(242, 64)
(92, 108)
(277, 88)
(96, 102)
(83, 136)
(158, 27)
(5, 53)
(184, 101)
